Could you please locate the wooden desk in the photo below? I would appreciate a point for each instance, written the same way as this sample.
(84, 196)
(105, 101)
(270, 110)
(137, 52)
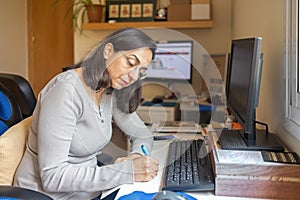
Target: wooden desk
(245, 173)
(160, 152)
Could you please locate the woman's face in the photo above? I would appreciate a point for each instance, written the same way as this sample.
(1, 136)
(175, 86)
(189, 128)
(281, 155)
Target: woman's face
(126, 67)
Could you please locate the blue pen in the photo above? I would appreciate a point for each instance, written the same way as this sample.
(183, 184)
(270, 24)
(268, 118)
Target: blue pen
(144, 150)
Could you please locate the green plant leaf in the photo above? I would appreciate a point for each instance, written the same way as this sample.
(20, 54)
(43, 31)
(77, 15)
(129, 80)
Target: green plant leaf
(78, 10)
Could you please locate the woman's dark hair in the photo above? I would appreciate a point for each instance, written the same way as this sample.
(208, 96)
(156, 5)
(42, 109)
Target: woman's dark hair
(96, 75)
(129, 98)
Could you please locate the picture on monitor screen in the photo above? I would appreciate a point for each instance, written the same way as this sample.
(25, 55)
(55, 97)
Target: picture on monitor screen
(172, 62)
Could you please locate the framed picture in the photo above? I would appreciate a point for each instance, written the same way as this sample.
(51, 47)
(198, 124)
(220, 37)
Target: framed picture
(125, 11)
(136, 10)
(147, 10)
(113, 11)
(130, 10)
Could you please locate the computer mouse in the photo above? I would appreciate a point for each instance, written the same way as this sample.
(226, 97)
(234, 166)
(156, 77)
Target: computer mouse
(168, 195)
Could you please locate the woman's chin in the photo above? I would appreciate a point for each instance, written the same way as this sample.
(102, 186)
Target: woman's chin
(119, 87)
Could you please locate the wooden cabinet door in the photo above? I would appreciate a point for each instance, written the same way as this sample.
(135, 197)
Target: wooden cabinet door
(50, 40)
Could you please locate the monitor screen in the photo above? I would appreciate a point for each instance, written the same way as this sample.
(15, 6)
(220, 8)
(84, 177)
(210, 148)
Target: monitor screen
(172, 62)
(242, 94)
(243, 82)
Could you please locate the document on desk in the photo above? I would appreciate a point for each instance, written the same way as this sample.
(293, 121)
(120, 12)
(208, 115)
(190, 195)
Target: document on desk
(176, 126)
(160, 153)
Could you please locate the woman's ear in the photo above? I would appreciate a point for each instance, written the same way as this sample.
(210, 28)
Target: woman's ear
(108, 50)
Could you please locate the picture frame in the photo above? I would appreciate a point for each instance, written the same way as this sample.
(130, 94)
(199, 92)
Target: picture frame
(113, 11)
(130, 10)
(125, 11)
(147, 9)
(136, 10)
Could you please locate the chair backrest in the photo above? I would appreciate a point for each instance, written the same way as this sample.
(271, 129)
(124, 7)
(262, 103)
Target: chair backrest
(10, 112)
(21, 90)
(12, 148)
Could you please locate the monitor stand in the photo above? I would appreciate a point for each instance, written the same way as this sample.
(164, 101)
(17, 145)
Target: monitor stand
(233, 140)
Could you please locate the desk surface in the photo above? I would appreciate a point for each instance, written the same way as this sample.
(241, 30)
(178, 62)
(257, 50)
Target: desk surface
(160, 150)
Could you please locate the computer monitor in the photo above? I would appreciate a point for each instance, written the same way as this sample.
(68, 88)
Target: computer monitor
(242, 94)
(172, 62)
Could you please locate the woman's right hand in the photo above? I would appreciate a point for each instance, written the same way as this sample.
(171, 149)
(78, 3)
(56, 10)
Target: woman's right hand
(145, 168)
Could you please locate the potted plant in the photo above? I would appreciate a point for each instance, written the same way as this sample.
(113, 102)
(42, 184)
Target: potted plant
(93, 9)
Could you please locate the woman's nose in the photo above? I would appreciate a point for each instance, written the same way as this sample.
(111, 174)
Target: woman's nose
(134, 74)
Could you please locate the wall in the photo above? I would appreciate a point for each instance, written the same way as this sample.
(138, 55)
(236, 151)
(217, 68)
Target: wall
(215, 40)
(13, 40)
(267, 19)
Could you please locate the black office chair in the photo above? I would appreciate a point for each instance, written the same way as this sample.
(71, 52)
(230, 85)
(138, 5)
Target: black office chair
(21, 90)
(10, 112)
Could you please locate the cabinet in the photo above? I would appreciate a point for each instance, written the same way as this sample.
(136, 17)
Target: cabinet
(160, 24)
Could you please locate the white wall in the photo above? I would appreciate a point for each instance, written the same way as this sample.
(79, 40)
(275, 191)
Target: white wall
(13, 37)
(266, 18)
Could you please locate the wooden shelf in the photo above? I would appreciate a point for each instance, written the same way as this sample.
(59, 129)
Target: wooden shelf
(164, 24)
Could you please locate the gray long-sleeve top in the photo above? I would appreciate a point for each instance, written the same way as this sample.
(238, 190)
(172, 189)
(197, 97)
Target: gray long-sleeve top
(67, 132)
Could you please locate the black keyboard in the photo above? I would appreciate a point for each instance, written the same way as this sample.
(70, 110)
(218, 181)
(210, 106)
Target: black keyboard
(232, 140)
(188, 167)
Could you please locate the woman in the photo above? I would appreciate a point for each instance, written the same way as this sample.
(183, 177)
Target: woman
(72, 122)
